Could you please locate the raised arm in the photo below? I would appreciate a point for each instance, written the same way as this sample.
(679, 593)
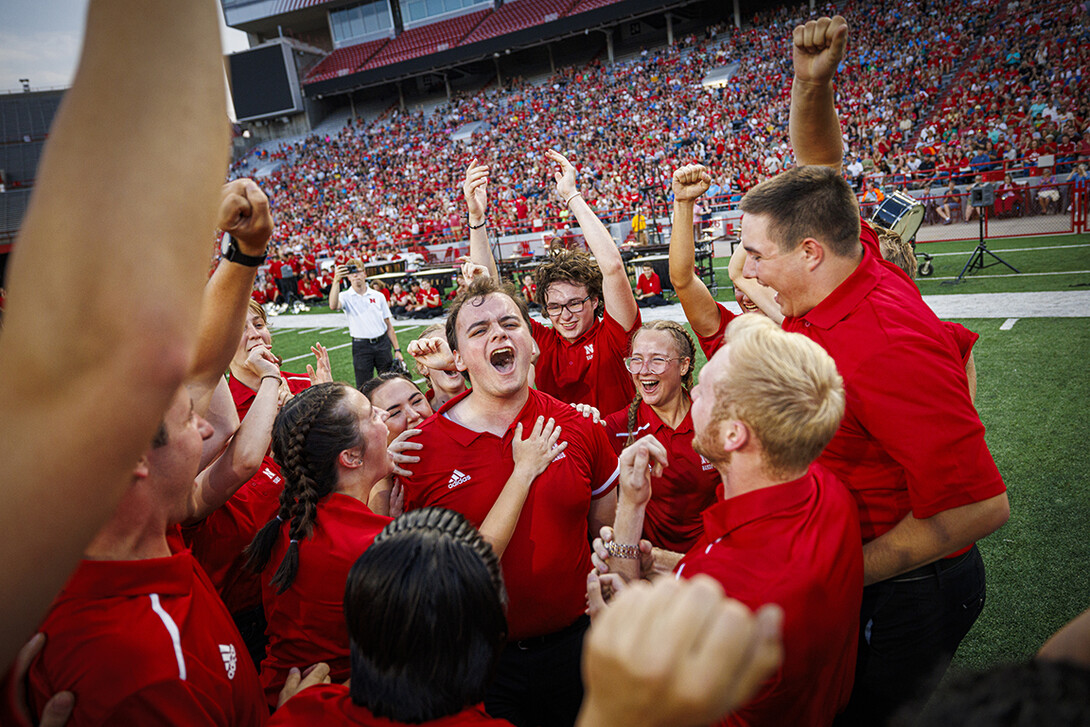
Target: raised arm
(616, 289)
(120, 221)
(244, 215)
(696, 300)
(339, 272)
(817, 50)
(246, 451)
(475, 189)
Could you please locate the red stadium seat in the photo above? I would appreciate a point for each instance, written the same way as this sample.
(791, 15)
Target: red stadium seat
(996, 175)
(343, 61)
(586, 5)
(427, 39)
(517, 15)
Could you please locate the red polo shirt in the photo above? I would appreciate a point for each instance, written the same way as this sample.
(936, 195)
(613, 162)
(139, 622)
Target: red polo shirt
(964, 339)
(710, 344)
(331, 704)
(217, 541)
(306, 622)
(546, 563)
(911, 440)
(244, 395)
(795, 545)
(589, 370)
(649, 285)
(146, 642)
(687, 487)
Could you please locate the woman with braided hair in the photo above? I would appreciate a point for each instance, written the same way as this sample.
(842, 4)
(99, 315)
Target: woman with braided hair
(331, 444)
(661, 363)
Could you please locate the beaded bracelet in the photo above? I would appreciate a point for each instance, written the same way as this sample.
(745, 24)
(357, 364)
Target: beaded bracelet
(629, 552)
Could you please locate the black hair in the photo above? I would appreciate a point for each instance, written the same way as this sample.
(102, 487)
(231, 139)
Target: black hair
(367, 388)
(1040, 692)
(425, 611)
(309, 434)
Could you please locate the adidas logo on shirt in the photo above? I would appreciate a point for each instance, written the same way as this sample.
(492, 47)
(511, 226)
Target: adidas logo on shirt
(230, 659)
(457, 478)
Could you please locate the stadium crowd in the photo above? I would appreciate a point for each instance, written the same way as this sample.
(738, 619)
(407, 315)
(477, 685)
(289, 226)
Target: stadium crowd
(928, 95)
(546, 535)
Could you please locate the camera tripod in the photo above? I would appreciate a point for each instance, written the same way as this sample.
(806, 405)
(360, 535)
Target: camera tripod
(976, 259)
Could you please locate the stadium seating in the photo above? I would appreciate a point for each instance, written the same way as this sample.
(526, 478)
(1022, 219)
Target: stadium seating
(339, 188)
(585, 5)
(516, 15)
(343, 61)
(427, 39)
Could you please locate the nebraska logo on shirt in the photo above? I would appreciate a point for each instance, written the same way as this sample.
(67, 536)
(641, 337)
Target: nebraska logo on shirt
(705, 464)
(230, 659)
(272, 476)
(458, 478)
(589, 348)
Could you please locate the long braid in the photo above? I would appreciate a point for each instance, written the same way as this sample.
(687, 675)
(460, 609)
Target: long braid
(686, 348)
(308, 469)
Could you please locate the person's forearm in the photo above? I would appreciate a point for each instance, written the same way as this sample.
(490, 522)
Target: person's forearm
(245, 453)
(480, 252)
(682, 246)
(696, 300)
(627, 531)
(125, 308)
(912, 543)
(814, 126)
(616, 288)
(335, 295)
(392, 335)
(223, 315)
(499, 524)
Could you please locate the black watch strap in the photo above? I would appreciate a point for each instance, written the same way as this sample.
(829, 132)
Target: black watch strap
(232, 254)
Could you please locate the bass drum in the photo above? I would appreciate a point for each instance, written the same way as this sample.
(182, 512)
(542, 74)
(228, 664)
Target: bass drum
(901, 213)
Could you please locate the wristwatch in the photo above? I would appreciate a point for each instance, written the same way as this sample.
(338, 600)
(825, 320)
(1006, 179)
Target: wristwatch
(232, 254)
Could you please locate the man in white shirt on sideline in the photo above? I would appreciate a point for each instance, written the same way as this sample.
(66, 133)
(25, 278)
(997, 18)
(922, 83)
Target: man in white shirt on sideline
(369, 322)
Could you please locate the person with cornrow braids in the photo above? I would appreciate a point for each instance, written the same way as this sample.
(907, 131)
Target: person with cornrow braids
(661, 363)
(331, 445)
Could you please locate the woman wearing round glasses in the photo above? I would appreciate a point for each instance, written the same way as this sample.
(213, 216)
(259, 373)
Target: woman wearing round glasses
(661, 364)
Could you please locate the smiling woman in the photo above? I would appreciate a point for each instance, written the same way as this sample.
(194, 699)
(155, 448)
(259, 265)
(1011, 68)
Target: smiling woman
(661, 363)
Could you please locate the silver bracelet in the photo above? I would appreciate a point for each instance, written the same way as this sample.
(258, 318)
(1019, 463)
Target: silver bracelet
(626, 552)
(567, 202)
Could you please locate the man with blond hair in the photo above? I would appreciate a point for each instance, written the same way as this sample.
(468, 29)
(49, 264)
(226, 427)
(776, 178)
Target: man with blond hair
(786, 531)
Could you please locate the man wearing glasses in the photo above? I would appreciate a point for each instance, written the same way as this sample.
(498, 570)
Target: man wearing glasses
(582, 356)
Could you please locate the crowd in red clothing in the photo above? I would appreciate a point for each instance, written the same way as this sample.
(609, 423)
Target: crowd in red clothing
(904, 125)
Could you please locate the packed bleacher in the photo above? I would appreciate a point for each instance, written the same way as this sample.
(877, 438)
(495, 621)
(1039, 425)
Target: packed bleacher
(911, 121)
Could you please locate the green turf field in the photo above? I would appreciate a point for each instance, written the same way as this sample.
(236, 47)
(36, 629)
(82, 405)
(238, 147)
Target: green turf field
(1033, 391)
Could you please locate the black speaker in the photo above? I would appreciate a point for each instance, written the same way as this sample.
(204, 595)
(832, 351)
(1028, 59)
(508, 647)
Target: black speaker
(982, 196)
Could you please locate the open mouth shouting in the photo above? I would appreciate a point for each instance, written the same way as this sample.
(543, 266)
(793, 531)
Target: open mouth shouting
(649, 387)
(503, 359)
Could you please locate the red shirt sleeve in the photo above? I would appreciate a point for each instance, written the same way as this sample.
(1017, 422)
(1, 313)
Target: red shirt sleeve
(710, 344)
(963, 337)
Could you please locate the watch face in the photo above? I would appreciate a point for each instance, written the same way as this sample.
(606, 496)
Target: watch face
(225, 244)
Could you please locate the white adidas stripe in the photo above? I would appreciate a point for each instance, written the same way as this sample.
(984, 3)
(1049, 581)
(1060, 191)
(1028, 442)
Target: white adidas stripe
(172, 629)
